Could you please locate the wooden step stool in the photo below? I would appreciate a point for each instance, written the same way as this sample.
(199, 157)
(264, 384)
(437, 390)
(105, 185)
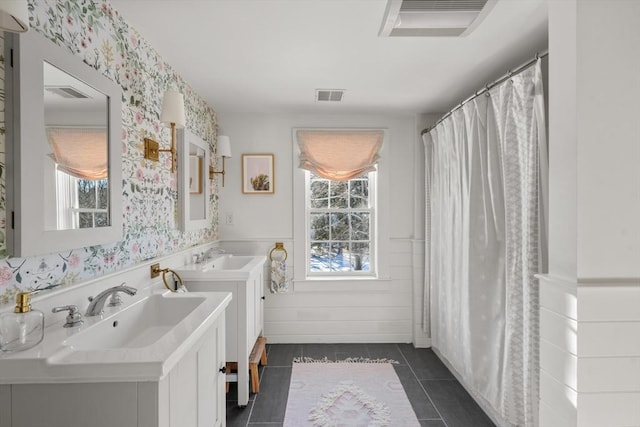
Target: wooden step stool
(258, 356)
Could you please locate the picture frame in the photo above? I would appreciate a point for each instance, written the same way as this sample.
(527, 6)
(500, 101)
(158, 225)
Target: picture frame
(195, 174)
(258, 174)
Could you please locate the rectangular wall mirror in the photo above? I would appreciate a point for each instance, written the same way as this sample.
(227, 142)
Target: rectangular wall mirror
(193, 182)
(64, 171)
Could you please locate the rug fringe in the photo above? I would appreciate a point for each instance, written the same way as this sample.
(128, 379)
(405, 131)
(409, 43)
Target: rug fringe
(347, 360)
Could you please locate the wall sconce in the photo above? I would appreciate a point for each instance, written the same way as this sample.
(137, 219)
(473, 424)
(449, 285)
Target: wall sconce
(224, 151)
(14, 16)
(172, 116)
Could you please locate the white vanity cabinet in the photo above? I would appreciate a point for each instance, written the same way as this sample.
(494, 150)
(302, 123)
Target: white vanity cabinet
(245, 314)
(191, 394)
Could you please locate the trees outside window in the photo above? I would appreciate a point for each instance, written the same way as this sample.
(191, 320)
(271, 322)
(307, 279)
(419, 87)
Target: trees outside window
(341, 225)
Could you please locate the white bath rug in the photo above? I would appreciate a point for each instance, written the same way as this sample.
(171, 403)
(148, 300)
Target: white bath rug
(349, 394)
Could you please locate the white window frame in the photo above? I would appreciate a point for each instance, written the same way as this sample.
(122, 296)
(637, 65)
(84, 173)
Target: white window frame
(373, 244)
(68, 208)
(305, 283)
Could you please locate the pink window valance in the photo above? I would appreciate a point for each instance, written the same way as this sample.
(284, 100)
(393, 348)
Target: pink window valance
(339, 155)
(80, 152)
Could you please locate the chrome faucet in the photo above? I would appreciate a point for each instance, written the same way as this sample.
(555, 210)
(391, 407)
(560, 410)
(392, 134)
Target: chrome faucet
(204, 256)
(97, 304)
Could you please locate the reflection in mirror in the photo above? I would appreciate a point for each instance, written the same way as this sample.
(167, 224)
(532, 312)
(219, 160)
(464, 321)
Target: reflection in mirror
(75, 119)
(193, 185)
(64, 173)
(195, 172)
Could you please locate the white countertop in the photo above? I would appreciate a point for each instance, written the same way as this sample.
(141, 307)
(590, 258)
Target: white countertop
(218, 269)
(55, 361)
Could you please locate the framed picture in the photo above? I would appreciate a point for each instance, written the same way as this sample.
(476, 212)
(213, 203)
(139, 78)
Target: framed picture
(258, 174)
(195, 174)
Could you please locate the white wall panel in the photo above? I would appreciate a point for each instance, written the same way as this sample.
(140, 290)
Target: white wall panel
(337, 327)
(609, 409)
(558, 296)
(561, 398)
(609, 374)
(340, 311)
(551, 418)
(375, 300)
(559, 330)
(350, 286)
(608, 176)
(619, 339)
(376, 337)
(610, 301)
(331, 313)
(559, 364)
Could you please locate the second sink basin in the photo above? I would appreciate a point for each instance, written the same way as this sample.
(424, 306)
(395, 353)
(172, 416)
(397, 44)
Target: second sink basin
(226, 267)
(139, 325)
(228, 262)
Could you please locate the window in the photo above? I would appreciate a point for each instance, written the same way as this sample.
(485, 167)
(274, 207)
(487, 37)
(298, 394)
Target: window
(341, 225)
(82, 203)
(338, 221)
(80, 159)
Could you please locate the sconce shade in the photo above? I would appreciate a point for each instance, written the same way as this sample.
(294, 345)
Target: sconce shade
(224, 146)
(173, 109)
(14, 16)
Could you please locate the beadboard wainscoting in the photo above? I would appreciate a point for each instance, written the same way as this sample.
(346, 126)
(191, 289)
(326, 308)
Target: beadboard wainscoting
(558, 353)
(339, 311)
(592, 378)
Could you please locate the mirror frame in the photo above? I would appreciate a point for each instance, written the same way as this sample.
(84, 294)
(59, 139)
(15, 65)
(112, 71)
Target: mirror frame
(25, 101)
(184, 139)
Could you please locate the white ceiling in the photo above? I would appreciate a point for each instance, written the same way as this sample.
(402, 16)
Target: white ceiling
(271, 55)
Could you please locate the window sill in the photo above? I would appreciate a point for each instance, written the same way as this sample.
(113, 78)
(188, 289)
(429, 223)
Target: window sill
(341, 284)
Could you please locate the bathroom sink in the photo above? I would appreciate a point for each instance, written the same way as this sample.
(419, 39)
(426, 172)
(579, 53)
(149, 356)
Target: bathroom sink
(226, 267)
(229, 262)
(139, 341)
(139, 325)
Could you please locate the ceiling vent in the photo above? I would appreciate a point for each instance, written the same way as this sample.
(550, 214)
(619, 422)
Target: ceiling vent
(67, 92)
(329, 95)
(433, 18)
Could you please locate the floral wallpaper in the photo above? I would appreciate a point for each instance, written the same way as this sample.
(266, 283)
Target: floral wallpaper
(94, 31)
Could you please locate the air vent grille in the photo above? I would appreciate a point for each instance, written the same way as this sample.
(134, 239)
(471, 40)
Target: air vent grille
(433, 18)
(329, 95)
(442, 5)
(67, 92)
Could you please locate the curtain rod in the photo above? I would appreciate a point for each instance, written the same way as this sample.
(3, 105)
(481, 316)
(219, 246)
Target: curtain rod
(506, 76)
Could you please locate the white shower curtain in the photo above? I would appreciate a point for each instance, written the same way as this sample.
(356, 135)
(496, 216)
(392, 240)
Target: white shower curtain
(487, 178)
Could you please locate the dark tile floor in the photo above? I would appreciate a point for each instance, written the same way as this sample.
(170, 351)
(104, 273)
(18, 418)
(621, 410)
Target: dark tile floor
(437, 397)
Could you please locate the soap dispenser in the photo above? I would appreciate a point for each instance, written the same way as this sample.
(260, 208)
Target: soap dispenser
(22, 329)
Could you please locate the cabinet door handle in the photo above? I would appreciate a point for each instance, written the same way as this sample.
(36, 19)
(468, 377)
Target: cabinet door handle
(263, 297)
(223, 369)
